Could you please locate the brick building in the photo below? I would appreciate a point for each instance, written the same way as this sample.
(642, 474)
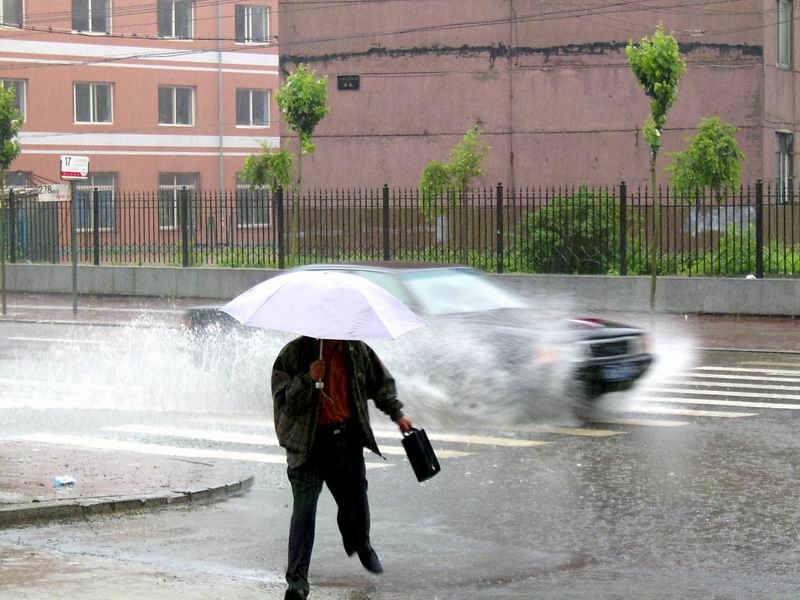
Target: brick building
(548, 82)
(157, 93)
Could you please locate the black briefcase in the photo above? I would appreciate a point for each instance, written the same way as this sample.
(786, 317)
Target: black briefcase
(420, 454)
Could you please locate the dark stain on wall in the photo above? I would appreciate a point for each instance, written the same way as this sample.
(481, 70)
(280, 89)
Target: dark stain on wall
(504, 51)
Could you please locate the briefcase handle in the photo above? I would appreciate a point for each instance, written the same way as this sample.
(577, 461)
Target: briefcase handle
(407, 433)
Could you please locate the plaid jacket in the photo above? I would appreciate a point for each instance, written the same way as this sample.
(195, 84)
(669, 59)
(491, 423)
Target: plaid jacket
(296, 401)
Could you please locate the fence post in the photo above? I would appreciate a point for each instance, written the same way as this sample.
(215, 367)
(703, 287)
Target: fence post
(500, 257)
(184, 208)
(96, 226)
(623, 228)
(279, 214)
(12, 224)
(759, 229)
(387, 255)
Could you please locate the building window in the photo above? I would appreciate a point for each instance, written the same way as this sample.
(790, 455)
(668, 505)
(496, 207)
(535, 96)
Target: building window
(18, 85)
(105, 184)
(93, 16)
(252, 24)
(175, 105)
(784, 34)
(252, 204)
(18, 180)
(252, 108)
(171, 187)
(783, 166)
(93, 103)
(11, 13)
(175, 18)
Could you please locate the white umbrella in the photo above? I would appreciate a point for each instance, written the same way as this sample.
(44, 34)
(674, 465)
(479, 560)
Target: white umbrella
(324, 305)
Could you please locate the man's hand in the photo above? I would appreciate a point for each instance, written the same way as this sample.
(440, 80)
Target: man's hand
(317, 370)
(405, 424)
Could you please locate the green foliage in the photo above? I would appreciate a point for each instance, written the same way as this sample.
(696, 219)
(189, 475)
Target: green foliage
(10, 125)
(577, 233)
(303, 101)
(268, 168)
(658, 67)
(711, 160)
(453, 178)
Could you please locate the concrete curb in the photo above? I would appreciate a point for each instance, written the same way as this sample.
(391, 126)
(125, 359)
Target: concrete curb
(81, 508)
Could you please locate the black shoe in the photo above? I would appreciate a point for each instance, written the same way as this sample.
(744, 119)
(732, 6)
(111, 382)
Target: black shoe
(294, 595)
(370, 560)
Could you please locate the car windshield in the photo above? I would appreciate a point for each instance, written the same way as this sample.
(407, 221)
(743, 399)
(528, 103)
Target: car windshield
(450, 291)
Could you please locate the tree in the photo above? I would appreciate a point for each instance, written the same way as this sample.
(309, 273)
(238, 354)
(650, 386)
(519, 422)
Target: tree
(711, 159)
(268, 168)
(454, 177)
(303, 101)
(10, 124)
(658, 66)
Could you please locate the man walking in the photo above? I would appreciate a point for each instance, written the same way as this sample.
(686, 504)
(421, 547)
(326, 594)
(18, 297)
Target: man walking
(324, 430)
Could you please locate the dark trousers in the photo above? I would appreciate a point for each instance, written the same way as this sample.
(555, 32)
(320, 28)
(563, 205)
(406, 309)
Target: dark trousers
(337, 459)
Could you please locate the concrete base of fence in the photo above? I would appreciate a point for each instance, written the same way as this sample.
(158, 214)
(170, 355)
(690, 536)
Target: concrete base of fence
(584, 292)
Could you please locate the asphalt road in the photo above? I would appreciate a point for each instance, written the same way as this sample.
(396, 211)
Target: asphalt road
(684, 488)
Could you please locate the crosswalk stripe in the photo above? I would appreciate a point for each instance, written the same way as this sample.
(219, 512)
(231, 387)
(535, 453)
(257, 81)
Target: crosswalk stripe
(159, 449)
(640, 422)
(199, 434)
(440, 453)
(471, 439)
(746, 370)
(742, 377)
(710, 402)
(750, 386)
(722, 393)
(577, 431)
(653, 410)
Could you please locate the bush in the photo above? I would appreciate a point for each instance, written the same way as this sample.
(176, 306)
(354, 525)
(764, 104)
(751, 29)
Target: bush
(578, 233)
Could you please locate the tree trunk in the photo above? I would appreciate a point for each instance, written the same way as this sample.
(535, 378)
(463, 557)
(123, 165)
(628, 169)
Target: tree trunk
(655, 246)
(294, 227)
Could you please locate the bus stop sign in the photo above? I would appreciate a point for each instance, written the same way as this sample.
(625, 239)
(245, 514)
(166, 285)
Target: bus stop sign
(74, 168)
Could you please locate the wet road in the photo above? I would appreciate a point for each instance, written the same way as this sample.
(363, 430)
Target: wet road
(685, 488)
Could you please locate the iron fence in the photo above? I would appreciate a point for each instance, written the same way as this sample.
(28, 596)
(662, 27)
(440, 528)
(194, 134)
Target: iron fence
(585, 230)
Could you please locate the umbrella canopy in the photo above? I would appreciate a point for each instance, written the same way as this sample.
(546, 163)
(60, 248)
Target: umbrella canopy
(324, 305)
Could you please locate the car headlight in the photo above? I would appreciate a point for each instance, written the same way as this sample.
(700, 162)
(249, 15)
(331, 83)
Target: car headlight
(638, 344)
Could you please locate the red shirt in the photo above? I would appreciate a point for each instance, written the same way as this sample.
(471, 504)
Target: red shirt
(335, 405)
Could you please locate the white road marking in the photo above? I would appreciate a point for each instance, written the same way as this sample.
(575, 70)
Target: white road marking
(440, 453)
(709, 402)
(200, 434)
(470, 439)
(641, 422)
(750, 386)
(743, 370)
(578, 431)
(722, 393)
(652, 410)
(56, 340)
(742, 377)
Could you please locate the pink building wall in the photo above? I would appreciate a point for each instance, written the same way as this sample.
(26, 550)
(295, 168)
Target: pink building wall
(50, 58)
(549, 84)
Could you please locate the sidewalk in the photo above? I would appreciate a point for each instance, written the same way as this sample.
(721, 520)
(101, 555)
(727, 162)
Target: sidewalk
(106, 482)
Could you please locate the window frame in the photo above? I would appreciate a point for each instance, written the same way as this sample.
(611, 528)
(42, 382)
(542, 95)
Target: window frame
(174, 188)
(21, 98)
(173, 20)
(174, 97)
(242, 187)
(21, 16)
(267, 111)
(784, 166)
(247, 34)
(109, 13)
(92, 102)
(87, 186)
(784, 37)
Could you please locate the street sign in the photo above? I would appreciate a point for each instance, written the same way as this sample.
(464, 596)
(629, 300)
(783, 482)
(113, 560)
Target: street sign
(55, 192)
(74, 167)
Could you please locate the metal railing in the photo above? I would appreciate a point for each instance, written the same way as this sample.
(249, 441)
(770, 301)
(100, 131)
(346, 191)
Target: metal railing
(753, 229)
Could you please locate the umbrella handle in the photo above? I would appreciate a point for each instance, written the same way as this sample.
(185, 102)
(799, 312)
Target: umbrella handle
(319, 384)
